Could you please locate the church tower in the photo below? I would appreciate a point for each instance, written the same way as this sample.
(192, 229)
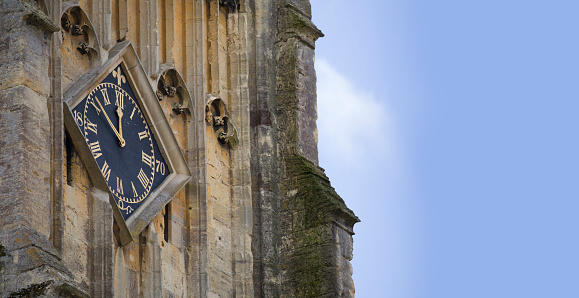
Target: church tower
(165, 148)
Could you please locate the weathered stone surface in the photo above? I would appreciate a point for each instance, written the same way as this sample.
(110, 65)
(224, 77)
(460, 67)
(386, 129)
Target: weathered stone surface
(101, 247)
(25, 46)
(319, 241)
(31, 262)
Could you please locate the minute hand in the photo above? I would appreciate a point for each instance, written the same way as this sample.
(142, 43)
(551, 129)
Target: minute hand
(121, 140)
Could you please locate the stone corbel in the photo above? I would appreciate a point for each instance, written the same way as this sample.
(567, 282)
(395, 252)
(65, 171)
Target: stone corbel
(35, 16)
(217, 116)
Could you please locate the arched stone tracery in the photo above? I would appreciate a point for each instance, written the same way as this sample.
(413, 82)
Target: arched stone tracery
(79, 32)
(171, 87)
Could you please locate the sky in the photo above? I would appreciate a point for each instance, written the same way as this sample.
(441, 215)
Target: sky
(451, 129)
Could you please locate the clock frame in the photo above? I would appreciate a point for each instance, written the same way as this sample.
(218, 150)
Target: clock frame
(124, 56)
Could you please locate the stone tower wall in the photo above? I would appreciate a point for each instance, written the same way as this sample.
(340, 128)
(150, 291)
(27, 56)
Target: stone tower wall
(258, 216)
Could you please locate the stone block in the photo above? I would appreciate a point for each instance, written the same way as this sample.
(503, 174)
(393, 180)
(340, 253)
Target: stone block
(25, 150)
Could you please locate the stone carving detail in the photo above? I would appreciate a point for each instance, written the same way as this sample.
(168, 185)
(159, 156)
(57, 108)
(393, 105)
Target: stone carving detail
(65, 24)
(170, 91)
(178, 108)
(233, 5)
(76, 26)
(36, 14)
(76, 30)
(159, 95)
(83, 48)
(172, 87)
(216, 115)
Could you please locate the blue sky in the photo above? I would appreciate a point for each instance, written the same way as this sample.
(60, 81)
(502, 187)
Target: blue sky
(451, 128)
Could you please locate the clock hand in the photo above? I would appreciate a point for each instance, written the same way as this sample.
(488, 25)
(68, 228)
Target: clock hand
(121, 140)
(120, 113)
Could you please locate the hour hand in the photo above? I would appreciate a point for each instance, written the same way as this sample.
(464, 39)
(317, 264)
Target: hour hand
(121, 140)
(120, 135)
(120, 113)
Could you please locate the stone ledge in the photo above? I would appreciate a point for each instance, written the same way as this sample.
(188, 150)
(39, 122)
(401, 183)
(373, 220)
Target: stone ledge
(43, 282)
(34, 16)
(29, 250)
(30, 13)
(312, 211)
(293, 23)
(311, 184)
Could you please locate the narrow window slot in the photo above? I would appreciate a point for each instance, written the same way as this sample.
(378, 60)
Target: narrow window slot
(166, 221)
(69, 155)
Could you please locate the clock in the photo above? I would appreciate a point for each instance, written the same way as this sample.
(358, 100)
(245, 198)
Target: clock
(124, 140)
(121, 141)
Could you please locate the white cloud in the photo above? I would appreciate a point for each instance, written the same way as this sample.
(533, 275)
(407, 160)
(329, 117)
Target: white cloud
(362, 154)
(352, 123)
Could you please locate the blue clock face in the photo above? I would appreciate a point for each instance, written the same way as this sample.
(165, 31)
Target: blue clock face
(121, 142)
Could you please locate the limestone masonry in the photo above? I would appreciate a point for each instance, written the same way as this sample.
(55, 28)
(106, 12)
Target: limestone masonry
(165, 148)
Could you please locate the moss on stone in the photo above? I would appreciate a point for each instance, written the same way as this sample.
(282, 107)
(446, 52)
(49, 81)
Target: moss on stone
(3, 252)
(34, 290)
(313, 186)
(295, 19)
(312, 206)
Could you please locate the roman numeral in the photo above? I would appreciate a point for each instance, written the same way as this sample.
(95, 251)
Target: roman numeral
(142, 135)
(91, 126)
(95, 148)
(106, 171)
(120, 99)
(143, 178)
(106, 97)
(91, 101)
(120, 186)
(135, 193)
(148, 160)
(133, 113)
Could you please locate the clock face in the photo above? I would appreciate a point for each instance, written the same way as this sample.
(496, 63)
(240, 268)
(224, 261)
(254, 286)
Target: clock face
(120, 139)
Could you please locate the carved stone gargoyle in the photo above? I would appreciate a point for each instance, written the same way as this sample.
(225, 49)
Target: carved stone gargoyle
(217, 116)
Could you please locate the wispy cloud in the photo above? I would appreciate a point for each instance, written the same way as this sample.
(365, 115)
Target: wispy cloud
(352, 122)
(361, 151)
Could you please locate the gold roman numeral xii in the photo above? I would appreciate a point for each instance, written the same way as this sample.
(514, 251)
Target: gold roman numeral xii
(120, 99)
